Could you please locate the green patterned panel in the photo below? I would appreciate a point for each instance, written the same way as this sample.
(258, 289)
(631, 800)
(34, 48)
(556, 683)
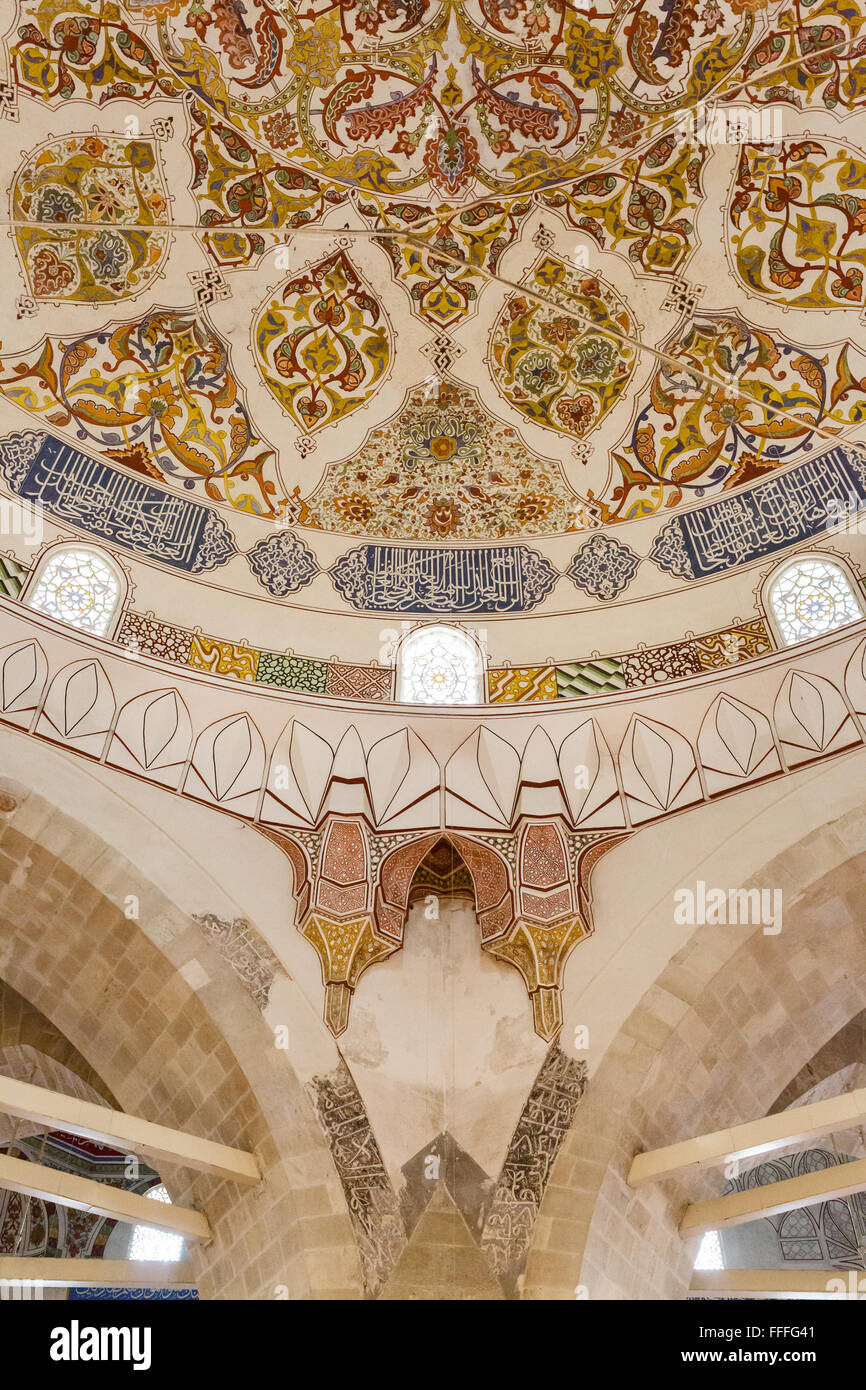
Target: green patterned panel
(600, 677)
(12, 576)
(292, 672)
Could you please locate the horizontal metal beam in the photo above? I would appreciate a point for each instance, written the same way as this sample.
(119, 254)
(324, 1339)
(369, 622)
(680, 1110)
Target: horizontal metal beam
(67, 1189)
(782, 1283)
(752, 1139)
(774, 1197)
(125, 1132)
(104, 1274)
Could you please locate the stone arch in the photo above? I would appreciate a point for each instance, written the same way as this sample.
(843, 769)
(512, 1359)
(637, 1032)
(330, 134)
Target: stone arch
(23, 1027)
(31, 1226)
(442, 871)
(24, 1062)
(488, 870)
(675, 1070)
(839, 1064)
(159, 1014)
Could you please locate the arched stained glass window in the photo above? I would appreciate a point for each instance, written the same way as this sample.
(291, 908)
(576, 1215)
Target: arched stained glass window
(78, 586)
(811, 596)
(148, 1243)
(439, 666)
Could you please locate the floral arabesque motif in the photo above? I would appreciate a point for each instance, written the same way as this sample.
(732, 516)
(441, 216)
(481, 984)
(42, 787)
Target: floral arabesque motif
(667, 53)
(241, 189)
(442, 293)
(64, 51)
(408, 116)
(324, 344)
(560, 368)
(402, 101)
(157, 396)
(709, 433)
(443, 468)
(645, 206)
(797, 227)
(816, 48)
(91, 179)
(315, 53)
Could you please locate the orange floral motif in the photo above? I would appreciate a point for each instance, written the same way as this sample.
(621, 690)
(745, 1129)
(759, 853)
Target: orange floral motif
(443, 468)
(531, 509)
(281, 130)
(725, 411)
(443, 518)
(355, 509)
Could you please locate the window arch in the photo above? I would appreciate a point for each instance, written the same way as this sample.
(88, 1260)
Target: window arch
(79, 585)
(810, 596)
(439, 665)
(149, 1243)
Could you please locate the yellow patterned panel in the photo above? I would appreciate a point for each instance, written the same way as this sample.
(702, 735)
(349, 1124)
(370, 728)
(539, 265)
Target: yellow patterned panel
(223, 658)
(720, 649)
(520, 684)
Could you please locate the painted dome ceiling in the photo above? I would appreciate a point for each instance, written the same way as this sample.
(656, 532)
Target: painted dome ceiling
(325, 317)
